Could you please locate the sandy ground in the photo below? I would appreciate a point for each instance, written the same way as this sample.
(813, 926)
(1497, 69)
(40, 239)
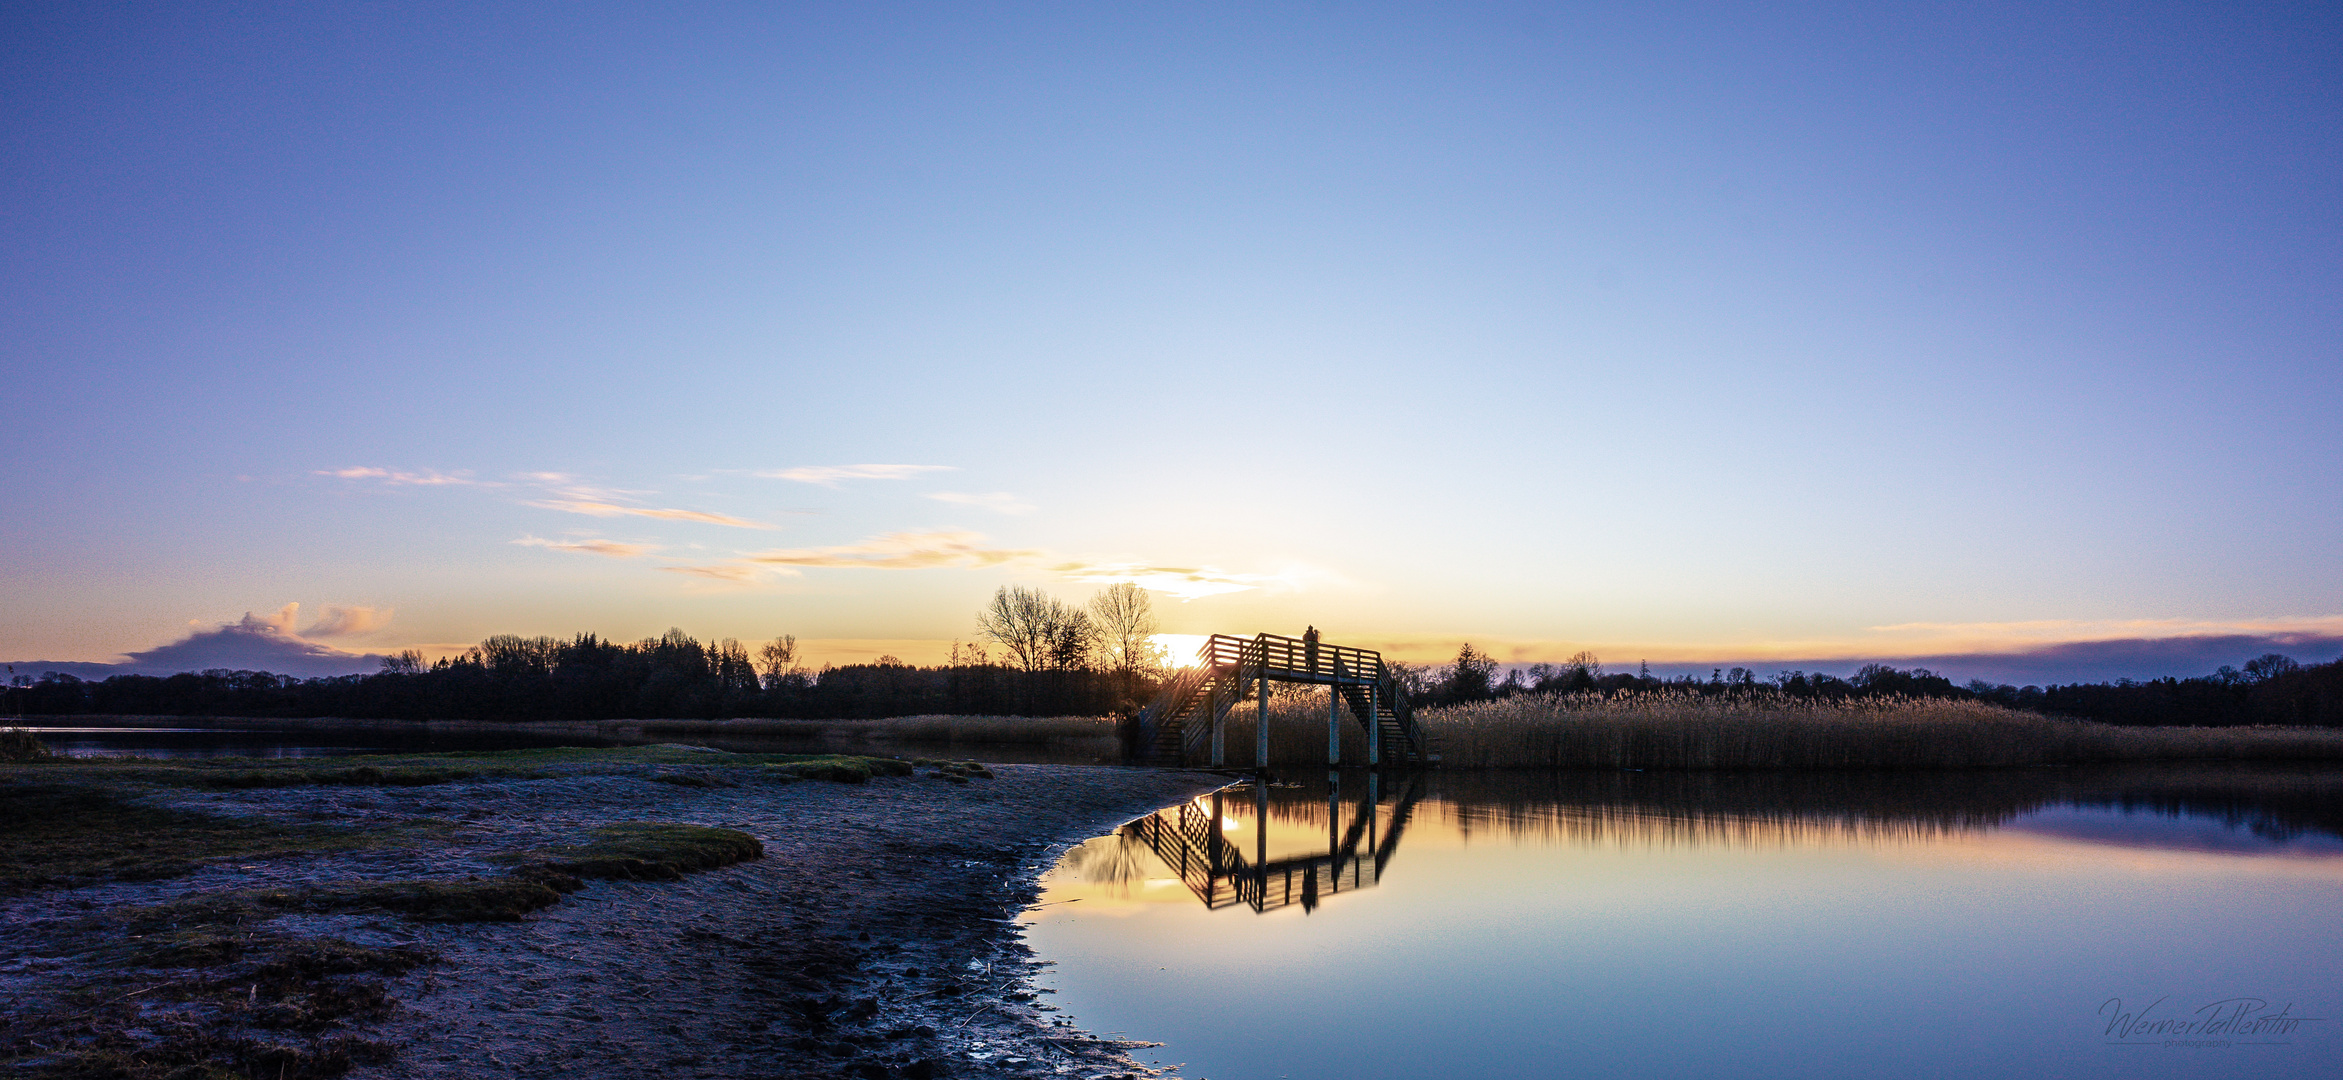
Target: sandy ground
(875, 938)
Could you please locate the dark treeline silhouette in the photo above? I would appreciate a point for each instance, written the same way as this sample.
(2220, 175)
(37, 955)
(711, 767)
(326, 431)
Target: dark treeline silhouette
(1064, 660)
(586, 678)
(2271, 689)
(1060, 659)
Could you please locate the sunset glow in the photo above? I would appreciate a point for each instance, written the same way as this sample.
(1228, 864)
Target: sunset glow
(1779, 337)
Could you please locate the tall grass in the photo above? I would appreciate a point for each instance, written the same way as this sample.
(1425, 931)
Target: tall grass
(17, 744)
(1675, 730)
(1297, 731)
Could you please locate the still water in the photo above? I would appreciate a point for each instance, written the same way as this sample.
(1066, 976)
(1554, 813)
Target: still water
(261, 738)
(2129, 923)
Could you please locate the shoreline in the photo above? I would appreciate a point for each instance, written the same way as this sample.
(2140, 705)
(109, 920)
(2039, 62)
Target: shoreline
(876, 936)
(1019, 740)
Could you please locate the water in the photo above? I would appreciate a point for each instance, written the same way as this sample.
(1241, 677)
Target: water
(286, 742)
(1672, 925)
(260, 738)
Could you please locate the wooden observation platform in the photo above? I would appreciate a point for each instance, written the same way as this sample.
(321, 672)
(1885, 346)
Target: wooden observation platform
(1186, 722)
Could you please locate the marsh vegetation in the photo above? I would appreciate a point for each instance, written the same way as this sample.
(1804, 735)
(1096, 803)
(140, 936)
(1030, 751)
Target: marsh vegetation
(1667, 729)
(191, 969)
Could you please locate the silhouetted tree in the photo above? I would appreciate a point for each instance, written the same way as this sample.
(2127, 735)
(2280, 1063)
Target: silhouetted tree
(1126, 625)
(1469, 678)
(2269, 666)
(1023, 621)
(777, 661)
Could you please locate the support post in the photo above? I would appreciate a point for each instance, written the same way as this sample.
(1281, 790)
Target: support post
(1333, 726)
(1261, 841)
(1261, 726)
(1334, 822)
(1219, 731)
(1374, 727)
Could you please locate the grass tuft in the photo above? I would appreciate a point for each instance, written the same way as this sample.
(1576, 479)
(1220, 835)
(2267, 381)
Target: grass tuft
(504, 898)
(17, 744)
(59, 834)
(656, 851)
(841, 768)
(958, 772)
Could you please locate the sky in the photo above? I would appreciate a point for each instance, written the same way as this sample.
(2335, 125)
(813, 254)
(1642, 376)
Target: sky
(2004, 337)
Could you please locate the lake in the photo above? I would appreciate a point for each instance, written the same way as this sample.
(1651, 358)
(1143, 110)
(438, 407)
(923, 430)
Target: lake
(296, 739)
(2139, 922)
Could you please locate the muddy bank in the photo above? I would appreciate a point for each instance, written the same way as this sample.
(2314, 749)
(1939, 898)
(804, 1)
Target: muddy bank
(874, 937)
(1058, 740)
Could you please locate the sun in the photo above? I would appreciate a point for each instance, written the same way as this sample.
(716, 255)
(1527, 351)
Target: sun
(1179, 650)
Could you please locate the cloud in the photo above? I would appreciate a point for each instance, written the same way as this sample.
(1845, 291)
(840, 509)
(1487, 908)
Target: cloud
(252, 643)
(2040, 663)
(611, 548)
(596, 508)
(2127, 658)
(900, 551)
(830, 475)
(999, 502)
(1185, 582)
(565, 493)
(719, 573)
(279, 621)
(1997, 636)
(348, 621)
(428, 478)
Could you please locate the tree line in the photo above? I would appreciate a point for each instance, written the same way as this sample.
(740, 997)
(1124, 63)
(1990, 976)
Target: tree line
(1035, 655)
(2270, 689)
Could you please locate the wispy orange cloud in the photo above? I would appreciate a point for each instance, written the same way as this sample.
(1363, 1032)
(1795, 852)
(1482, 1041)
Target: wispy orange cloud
(719, 572)
(596, 508)
(339, 621)
(1185, 582)
(830, 475)
(428, 478)
(899, 551)
(611, 548)
(999, 502)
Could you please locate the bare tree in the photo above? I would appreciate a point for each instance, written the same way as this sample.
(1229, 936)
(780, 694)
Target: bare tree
(730, 664)
(1585, 662)
(1073, 638)
(778, 660)
(1023, 621)
(1126, 628)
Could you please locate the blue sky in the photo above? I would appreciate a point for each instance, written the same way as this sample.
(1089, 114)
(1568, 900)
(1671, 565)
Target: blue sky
(1761, 332)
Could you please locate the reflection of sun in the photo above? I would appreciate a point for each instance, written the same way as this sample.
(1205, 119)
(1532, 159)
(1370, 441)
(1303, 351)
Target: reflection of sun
(1180, 649)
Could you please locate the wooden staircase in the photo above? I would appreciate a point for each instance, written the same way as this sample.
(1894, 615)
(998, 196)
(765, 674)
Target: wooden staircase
(1177, 727)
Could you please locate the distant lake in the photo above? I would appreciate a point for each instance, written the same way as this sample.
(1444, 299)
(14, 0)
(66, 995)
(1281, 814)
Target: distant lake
(259, 739)
(298, 739)
(2183, 922)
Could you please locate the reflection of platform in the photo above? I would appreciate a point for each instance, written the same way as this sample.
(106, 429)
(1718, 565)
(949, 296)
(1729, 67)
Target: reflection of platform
(1189, 840)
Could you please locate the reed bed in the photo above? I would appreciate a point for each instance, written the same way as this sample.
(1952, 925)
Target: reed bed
(1676, 730)
(1297, 731)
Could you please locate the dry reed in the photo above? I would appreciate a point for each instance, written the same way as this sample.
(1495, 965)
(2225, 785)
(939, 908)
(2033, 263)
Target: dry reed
(1676, 730)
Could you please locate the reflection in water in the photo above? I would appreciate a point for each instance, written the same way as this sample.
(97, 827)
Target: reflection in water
(1269, 846)
(1669, 925)
(1193, 840)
